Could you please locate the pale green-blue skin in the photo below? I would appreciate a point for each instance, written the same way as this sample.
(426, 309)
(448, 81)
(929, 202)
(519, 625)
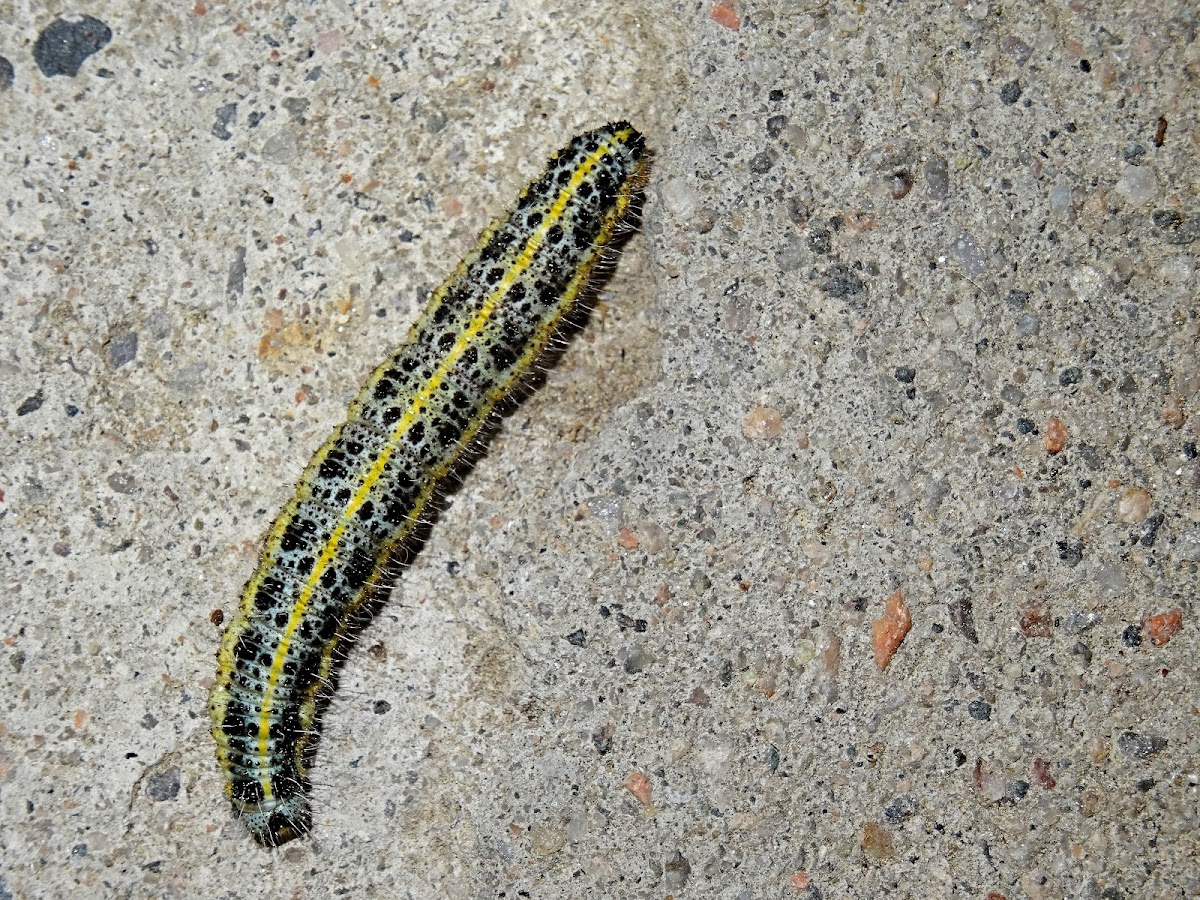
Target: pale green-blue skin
(367, 488)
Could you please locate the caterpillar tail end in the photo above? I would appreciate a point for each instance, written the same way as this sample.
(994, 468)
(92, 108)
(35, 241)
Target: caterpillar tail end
(276, 822)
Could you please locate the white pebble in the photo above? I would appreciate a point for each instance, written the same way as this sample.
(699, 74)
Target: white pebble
(1178, 269)
(1138, 185)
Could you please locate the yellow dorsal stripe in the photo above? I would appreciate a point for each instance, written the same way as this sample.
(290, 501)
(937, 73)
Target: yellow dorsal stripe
(416, 407)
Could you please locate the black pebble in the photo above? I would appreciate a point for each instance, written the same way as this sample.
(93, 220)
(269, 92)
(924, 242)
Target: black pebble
(63, 47)
(163, 785)
(980, 709)
(775, 126)
(899, 810)
(1010, 93)
(31, 404)
(6, 74)
(1150, 529)
(1017, 299)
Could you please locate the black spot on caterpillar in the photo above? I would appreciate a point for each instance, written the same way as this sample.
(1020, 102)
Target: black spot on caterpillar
(362, 499)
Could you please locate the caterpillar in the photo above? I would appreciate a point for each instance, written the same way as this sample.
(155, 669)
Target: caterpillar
(367, 491)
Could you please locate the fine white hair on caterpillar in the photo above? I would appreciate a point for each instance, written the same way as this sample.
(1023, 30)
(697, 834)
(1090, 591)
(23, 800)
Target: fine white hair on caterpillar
(369, 494)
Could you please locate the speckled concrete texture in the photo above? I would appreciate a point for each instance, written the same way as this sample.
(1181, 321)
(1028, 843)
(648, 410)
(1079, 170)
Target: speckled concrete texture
(851, 551)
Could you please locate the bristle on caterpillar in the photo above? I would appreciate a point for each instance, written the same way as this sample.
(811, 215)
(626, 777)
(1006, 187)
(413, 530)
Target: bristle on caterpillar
(367, 492)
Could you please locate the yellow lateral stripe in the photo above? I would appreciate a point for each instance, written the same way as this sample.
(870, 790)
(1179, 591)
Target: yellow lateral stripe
(464, 341)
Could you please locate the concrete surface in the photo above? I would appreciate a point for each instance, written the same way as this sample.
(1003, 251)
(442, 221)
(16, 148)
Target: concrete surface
(913, 309)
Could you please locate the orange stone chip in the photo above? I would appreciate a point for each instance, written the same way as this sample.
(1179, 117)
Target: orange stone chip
(638, 784)
(628, 540)
(725, 14)
(888, 631)
(876, 842)
(763, 423)
(1163, 627)
(1054, 436)
(800, 881)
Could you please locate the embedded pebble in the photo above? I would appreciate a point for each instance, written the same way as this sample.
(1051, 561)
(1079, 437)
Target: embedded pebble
(900, 184)
(638, 784)
(1028, 325)
(1133, 505)
(1173, 413)
(639, 660)
(31, 404)
(900, 810)
(679, 198)
(1077, 622)
(1054, 435)
(979, 709)
(1141, 746)
(877, 842)
(6, 74)
(763, 423)
(1178, 270)
(121, 348)
(1071, 375)
(970, 95)
(676, 871)
(937, 178)
(1164, 626)
(1010, 93)
(1035, 621)
(1111, 578)
(224, 116)
(762, 162)
(1016, 49)
(969, 255)
(546, 840)
(1060, 198)
(1087, 283)
(65, 44)
(1042, 774)
(122, 482)
(280, 147)
(963, 616)
(163, 785)
(888, 631)
(1138, 185)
